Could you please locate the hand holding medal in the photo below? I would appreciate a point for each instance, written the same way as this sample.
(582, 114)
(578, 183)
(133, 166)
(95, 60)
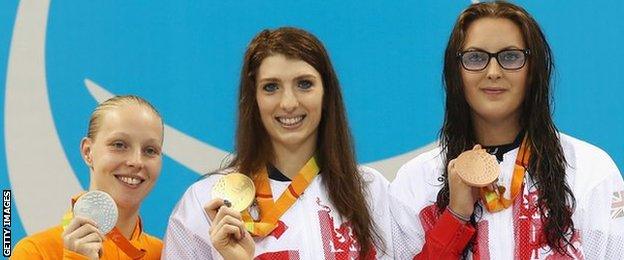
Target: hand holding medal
(468, 173)
(94, 215)
(232, 194)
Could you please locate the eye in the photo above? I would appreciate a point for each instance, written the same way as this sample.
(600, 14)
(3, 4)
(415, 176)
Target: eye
(510, 56)
(151, 151)
(118, 145)
(270, 87)
(475, 56)
(304, 84)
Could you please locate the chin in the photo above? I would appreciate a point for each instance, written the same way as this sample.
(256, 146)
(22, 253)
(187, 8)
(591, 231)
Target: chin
(128, 204)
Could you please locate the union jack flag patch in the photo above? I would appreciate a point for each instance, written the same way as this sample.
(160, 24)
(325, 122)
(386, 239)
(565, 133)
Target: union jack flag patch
(617, 205)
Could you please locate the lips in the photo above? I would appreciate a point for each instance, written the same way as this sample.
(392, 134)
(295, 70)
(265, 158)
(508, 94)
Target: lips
(493, 90)
(290, 121)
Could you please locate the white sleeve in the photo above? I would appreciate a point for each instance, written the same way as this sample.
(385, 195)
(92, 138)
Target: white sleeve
(602, 231)
(187, 235)
(379, 204)
(408, 235)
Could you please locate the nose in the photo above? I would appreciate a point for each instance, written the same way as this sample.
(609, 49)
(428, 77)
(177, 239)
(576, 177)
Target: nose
(494, 70)
(135, 159)
(289, 101)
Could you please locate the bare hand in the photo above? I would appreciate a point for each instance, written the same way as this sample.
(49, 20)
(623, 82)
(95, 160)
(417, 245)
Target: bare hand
(227, 232)
(83, 237)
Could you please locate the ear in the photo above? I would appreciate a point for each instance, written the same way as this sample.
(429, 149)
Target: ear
(85, 150)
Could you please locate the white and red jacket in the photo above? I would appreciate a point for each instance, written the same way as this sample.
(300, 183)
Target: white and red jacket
(420, 232)
(310, 229)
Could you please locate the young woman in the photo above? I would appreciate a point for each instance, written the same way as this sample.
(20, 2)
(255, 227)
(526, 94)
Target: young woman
(555, 195)
(123, 151)
(292, 139)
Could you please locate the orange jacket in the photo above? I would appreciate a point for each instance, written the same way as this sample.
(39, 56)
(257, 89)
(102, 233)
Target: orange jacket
(49, 245)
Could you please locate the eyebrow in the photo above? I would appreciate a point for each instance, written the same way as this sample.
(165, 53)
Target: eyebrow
(275, 79)
(124, 135)
(509, 47)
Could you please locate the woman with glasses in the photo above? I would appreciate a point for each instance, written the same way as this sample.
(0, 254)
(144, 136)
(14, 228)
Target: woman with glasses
(555, 196)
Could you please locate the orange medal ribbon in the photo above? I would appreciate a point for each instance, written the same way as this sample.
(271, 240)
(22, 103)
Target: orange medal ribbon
(494, 200)
(114, 235)
(270, 211)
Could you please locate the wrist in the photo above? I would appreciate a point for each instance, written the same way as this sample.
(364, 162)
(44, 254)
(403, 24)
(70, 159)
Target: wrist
(459, 216)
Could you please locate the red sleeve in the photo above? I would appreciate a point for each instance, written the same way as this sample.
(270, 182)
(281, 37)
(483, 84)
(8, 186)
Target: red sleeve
(446, 239)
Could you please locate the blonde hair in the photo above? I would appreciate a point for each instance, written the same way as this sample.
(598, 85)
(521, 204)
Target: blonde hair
(112, 103)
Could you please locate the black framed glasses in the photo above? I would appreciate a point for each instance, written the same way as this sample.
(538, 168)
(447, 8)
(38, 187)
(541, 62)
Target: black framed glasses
(477, 60)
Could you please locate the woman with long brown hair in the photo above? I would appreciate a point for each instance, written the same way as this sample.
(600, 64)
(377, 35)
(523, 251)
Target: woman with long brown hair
(292, 139)
(554, 195)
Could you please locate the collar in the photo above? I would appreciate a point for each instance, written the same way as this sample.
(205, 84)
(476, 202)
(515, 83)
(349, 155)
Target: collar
(500, 150)
(275, 174)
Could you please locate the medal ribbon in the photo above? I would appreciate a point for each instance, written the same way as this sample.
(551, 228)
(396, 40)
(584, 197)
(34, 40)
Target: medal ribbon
(114, 235)
(270, 211)
(495, 200)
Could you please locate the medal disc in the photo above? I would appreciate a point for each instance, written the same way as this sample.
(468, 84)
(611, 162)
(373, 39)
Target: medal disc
(236, 188)
(478, 168)
(99, 207)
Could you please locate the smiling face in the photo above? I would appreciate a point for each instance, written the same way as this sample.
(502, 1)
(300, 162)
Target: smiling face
(290, 100)
(125, 154)
(494, 94)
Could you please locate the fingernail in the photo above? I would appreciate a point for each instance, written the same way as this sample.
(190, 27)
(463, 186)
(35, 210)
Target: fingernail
(227, 203)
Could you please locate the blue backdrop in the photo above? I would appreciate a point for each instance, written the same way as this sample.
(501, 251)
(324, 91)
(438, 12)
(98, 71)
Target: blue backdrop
(185, 57)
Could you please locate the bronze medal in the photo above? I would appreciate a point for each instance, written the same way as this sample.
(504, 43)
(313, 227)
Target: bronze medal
(478, 168)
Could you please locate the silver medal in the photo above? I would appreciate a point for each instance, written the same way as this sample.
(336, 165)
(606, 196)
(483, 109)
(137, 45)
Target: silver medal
(99, 207)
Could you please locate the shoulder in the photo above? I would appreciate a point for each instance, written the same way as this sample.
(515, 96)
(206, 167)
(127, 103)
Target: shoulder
(372, 177)
(429, 161)
(583, 156)
(583, 151)
(44, 243)
(587, 165)
(152, 245)
(418, 181)
(425, 168)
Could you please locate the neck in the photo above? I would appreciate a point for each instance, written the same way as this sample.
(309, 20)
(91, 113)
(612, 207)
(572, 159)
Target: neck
(290, 159)
(127, 221)
(496, 132)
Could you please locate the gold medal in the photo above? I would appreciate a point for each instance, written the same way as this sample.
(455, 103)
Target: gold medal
(478, 168)
(236, 188)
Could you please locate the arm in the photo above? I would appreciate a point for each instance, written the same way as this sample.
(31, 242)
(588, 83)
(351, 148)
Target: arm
(447, 239)
(187, 234)
(602, 230)
(419, 230)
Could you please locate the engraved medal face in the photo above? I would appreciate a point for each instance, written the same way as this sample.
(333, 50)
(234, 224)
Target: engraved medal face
(99, 207)
(478, 168)
(237, 188)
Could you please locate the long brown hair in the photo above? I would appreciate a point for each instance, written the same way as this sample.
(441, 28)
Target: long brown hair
(335, 155)
(547, 164)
